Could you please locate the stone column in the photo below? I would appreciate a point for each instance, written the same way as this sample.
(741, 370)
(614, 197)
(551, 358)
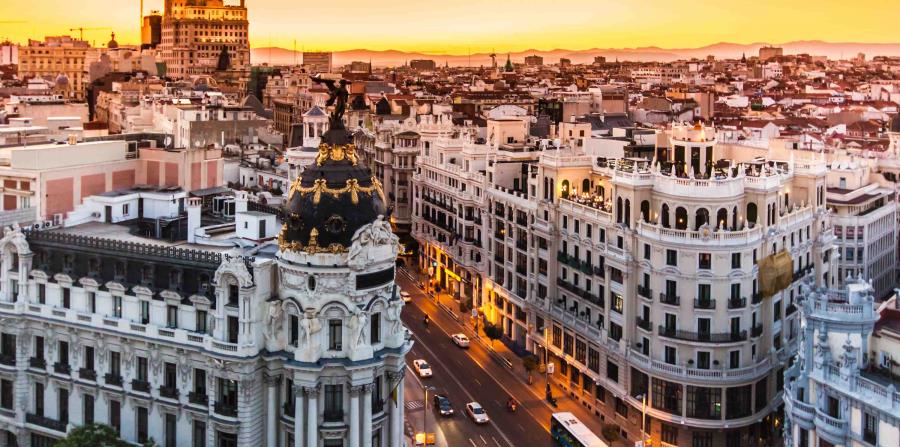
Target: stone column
(367, 414)
(355, 391)
(396, 408)
(312, 416)
(298, 416)
(272, 411)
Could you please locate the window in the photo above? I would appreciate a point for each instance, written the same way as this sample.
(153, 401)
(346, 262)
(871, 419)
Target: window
(117, 307)
(621, 408)
(735, 260)
(199, 434)
(232, 322)
(617, 303)
(705, 261)
(870, 428)
(169, 375)
(612, 371)
(334, 401)
(335, 335)
(702, 439)
(172, 316)
(39, 398)
(145, 312)
(762, 394)
(141, 369)
(92, 302)
(125, 212)
(734, 359)
(170, 430)
(201, 321)
(738, 399)
(115, 416)
(671, 355)
(704, 403)
(6, 394)
(375, 328)
(227, 398)
(89, 358)
(87, 401)
(702, 359)
(63, 355)
(615, 331)
(66, 297)
(666, 396)
(114, 364)
(142, 428)
(647, 251)
(669, 434)
(42, 293)
(672, 258)
(200, 381)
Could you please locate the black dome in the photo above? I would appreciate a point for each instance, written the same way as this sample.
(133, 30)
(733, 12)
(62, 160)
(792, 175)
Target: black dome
(895, 124)
(334, 197)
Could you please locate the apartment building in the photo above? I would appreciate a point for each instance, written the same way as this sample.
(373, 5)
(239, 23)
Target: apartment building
(841, 388)
(318, 61)
(587, 260)
(196, 32)
(60, 59)
(864, 214)
(287, 343)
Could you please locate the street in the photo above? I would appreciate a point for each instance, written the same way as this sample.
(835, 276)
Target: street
(474, 374)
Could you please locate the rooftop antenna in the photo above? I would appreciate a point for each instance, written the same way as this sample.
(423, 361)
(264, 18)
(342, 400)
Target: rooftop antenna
(295, 51)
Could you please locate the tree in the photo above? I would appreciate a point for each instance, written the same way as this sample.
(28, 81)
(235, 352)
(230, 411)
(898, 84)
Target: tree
(92, 435)
(492, 332)
(530, 363)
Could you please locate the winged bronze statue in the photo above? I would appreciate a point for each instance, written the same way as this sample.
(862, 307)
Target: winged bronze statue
(338, 95)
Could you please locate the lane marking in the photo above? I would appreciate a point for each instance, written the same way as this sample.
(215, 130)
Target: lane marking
(495, 441)
(473, 442)
(482, 439)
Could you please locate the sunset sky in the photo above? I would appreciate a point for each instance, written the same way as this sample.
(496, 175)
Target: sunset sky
(460, 26)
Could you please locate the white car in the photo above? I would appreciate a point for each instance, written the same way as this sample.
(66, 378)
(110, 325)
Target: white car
(477, 413)
(422, 367)
(405, 296)
(460, 340)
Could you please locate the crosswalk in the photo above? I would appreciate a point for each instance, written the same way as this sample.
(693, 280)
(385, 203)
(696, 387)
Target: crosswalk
(414, 404)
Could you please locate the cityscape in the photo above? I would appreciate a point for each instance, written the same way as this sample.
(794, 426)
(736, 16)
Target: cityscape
(468, 224)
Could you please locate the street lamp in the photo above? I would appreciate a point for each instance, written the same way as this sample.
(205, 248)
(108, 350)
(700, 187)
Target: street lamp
(427, 388)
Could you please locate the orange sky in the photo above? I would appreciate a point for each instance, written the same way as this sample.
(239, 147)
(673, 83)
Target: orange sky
(460, 26)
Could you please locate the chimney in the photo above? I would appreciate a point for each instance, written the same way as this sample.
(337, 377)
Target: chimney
(193, 215)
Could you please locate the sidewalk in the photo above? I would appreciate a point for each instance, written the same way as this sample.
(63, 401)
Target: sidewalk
(513, 364)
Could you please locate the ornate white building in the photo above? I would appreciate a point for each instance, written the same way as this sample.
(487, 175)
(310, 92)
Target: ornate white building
(840, 390)
(296, 344)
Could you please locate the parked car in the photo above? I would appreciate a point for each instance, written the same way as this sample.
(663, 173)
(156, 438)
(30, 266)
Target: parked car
(460, 340)
(422, 367)
(477, 413)
(442, 405)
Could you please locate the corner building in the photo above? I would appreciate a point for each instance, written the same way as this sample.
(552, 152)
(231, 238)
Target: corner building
(638, 278)
(297, 343)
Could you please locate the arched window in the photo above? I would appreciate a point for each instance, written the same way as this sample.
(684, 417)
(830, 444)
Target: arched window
(586, 186)
(601, 191)
(681, 218)
(664, 216)
(722, 218)
(734, 219)
(565, 189)
(701, 218)
(751, 213)
(627, 213)
(645, 211)
(619, 210)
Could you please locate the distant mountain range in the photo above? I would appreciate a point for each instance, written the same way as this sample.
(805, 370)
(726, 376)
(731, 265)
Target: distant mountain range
(388, 58)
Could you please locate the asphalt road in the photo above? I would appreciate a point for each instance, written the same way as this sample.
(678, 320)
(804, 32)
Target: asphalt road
(466, 375)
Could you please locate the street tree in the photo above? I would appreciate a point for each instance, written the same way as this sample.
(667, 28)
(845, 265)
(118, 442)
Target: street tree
(493, 332)
(92, 435)
(530, 363)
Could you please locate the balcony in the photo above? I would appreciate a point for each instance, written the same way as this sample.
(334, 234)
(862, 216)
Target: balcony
(46, 422)
(834, 429)
(575, 290)
(644, 324)
(224, 409)
(62, 368)
(8, 359)
(788, 311)
(142, 386)
(672, 300)
(198, 398)
(87, 374)
(645, 292)
(702, 337)
(333, 416)
(704, 303)
(169, 392)
(757, 298)
(113, 379)
(737, 303)
(756, 331)
(37, 363)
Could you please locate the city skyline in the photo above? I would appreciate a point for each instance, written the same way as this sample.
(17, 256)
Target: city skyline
(460, 28)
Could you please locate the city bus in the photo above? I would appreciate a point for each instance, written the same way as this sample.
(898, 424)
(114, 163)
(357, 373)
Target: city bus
(567, 431)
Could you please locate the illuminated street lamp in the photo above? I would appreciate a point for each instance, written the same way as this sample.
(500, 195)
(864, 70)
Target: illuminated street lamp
(424, 438)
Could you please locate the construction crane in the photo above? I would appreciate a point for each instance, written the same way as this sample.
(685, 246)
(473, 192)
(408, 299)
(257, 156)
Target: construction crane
(81, 31)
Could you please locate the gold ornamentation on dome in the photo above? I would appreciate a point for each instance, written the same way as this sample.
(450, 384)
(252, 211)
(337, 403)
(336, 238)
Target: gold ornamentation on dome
(284, 245)
(313, 240)
(336, 248)
(337, 153)
(321, 187)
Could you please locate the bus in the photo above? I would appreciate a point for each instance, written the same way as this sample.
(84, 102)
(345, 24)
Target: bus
(567, 431)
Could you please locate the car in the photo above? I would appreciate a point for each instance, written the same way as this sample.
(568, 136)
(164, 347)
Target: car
(460, 340)
(422, 367)
(405, 296)
(442, 405)
(477, 413)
